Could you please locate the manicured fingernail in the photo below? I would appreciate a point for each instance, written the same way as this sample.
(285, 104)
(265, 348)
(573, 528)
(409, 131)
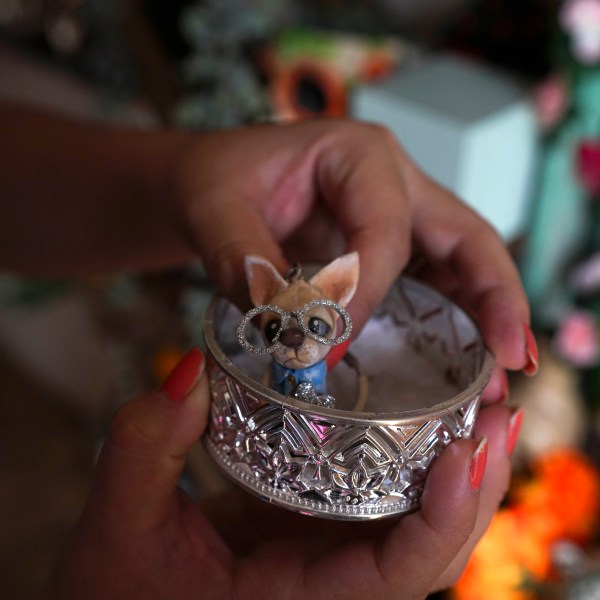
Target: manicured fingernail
(183, 377)
(336, 354)
(531, 368)
(478, 463)
(514, 427)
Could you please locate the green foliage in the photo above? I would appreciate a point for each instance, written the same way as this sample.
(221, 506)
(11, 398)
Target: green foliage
(224, 85)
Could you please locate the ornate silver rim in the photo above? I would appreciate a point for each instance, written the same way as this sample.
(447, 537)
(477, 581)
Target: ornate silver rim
(334, 463)
(341, 512)
(341, 416)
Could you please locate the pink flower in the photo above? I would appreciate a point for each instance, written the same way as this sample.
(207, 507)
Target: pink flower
(588, 165)
(551, 99)
(585, 277)
(581, 20)
(576, 339)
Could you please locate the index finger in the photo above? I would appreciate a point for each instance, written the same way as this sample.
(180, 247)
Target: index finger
(452, 235)
(360, 178)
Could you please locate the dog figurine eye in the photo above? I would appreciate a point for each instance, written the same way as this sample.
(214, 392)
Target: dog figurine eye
(272, 329)
(318, 326)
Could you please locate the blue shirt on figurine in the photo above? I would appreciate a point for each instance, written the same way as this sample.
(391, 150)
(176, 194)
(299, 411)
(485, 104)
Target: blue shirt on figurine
(285, 380)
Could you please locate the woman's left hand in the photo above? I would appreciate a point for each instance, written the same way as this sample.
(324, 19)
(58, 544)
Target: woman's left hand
(142, 537)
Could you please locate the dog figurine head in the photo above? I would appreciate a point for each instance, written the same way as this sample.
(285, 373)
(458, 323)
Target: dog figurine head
(337, 282)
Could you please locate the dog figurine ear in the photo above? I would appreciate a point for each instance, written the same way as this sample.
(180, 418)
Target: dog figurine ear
(338, 280)
(264, 281)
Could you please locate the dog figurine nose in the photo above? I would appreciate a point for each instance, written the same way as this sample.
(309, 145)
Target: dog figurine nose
(292, 338)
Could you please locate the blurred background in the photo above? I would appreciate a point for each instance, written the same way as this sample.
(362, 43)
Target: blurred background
(497, 99)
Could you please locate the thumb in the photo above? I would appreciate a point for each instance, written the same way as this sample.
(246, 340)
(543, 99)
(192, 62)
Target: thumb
(427, 541)
(145, 450)
(417, 548)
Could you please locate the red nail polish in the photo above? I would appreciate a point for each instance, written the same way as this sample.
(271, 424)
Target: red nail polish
(514, 427)
(183, 377)
(478, 463)
(336, 354)
(531, 368)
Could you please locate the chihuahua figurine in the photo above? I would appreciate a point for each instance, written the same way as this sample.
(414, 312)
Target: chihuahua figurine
(298, 320)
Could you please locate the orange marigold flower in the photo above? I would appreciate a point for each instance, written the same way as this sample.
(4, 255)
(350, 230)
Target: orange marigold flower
(165, 360)
(565, 491)
(560, 501)
(507, 556)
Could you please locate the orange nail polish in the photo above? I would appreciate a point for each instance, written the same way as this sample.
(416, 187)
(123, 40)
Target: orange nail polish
(183, 377)
(478, 463)
(531, 368)
(514, 427)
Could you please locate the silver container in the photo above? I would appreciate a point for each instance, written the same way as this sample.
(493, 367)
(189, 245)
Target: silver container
(425, 365)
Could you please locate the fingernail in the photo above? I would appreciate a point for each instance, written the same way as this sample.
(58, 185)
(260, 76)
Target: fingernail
(531, 368)
(514, 427)
(183, 377)
(478, 463)
(336, 354)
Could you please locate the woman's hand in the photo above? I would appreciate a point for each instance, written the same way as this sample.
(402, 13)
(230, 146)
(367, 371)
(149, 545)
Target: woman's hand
(142, 537)
(84, 198)
(311, 190)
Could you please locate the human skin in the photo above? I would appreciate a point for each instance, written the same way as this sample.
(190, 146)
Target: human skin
(142, 537)
(82, 198)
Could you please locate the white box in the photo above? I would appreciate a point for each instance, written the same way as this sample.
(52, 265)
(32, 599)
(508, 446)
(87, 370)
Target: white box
(468, 127)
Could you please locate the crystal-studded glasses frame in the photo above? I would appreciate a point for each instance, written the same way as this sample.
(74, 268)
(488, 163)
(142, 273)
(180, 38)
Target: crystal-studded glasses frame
(300, 315)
